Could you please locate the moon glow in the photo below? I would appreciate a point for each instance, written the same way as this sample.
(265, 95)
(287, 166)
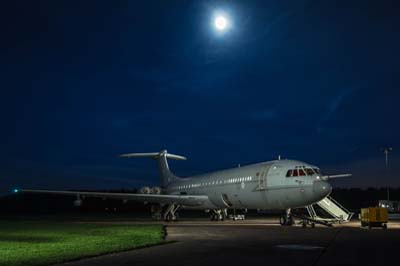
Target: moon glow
(220, 23)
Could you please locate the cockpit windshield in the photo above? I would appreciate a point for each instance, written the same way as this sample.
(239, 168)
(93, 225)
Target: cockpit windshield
(309, 171)
(302, 171)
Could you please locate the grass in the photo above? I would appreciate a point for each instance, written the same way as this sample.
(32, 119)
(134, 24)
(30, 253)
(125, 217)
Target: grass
(47, 243)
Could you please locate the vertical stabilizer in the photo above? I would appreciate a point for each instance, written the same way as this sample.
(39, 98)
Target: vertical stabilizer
(166, 175)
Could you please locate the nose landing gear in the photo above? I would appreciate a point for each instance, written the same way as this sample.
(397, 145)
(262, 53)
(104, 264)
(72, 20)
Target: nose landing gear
(287, 219)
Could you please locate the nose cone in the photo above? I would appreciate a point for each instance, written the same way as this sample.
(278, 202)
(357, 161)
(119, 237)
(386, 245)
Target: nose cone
(321, 189)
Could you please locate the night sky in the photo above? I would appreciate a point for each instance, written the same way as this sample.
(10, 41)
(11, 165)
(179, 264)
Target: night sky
(84, 81)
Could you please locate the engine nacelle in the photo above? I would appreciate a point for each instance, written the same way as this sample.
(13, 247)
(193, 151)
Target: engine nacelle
(155, 190)
(77, 203)
(145, 190)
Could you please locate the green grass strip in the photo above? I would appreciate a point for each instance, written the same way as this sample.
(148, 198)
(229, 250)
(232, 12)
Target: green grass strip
(47, 243)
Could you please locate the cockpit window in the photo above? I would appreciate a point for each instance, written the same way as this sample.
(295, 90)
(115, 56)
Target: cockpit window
(309, 171)
(302, 171)
(289, 173)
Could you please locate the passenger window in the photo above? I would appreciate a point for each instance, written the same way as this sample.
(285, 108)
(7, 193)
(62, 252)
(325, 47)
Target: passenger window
(289, 173)
(295, 173)
(301, 172)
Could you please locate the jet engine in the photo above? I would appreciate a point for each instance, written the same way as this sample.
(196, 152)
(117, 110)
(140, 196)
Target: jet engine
(145, 190)
(155, 190)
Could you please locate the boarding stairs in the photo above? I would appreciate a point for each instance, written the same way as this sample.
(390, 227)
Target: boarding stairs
(338, 213)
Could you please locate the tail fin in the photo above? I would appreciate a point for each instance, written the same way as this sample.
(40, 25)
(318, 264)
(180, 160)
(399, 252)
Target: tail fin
(162, 156)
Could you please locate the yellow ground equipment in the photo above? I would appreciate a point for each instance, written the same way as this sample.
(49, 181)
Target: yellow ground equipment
(374, 217)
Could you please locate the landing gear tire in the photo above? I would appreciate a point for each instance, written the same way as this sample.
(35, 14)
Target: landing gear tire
(290, 221)
(214, 217)
(284, 220)
(170, 213)
(287, 219)
(217, 215)
(168, 218)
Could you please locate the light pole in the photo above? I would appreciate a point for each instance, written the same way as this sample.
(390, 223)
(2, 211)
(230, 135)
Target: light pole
(386, 151)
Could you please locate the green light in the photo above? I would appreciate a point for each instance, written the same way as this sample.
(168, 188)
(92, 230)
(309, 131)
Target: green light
(16, 190)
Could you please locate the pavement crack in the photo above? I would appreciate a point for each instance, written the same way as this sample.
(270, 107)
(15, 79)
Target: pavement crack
(327, 246)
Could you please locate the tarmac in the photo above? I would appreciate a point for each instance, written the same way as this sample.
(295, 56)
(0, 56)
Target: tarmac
(261, 242)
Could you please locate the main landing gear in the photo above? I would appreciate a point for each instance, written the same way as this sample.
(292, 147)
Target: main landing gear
(287, 219)
(218, 214)
(156, 212)
(170, 213)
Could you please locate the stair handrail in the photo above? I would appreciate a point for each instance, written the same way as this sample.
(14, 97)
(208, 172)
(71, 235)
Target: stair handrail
(338, 204)
(341, 218)
(311, 211)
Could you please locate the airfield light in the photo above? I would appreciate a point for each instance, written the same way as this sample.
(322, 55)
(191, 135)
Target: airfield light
(15, 190)
(386, 151)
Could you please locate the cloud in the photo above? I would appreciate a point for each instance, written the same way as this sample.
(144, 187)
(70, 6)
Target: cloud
(334, 105)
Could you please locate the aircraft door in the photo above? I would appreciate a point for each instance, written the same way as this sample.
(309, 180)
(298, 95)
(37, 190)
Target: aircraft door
(262, 178)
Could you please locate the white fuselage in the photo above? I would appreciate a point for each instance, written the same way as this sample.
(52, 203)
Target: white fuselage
(258, 186)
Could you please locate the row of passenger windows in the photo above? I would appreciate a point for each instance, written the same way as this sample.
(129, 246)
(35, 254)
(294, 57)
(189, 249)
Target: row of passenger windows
(302, 172)
(216, 182)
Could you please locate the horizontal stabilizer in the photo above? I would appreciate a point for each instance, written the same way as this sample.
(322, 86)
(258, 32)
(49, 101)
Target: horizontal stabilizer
(154, 155)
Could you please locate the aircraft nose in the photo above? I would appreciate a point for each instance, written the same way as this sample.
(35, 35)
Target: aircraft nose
(322, 188)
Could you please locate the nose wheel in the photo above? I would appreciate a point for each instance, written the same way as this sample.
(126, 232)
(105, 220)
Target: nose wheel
(283, 220)
(287, 219)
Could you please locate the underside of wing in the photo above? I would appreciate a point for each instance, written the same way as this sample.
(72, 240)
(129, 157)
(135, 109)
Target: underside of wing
(186, 200)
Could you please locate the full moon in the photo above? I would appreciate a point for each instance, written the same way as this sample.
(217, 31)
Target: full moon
(220, 22)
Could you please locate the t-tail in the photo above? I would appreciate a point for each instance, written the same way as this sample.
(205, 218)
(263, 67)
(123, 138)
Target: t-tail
(165, 174)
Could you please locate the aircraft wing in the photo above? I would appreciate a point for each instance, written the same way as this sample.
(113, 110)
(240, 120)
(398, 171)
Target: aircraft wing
(186, 200)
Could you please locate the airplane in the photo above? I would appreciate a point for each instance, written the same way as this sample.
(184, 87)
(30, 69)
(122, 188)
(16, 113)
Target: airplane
(272, 185)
